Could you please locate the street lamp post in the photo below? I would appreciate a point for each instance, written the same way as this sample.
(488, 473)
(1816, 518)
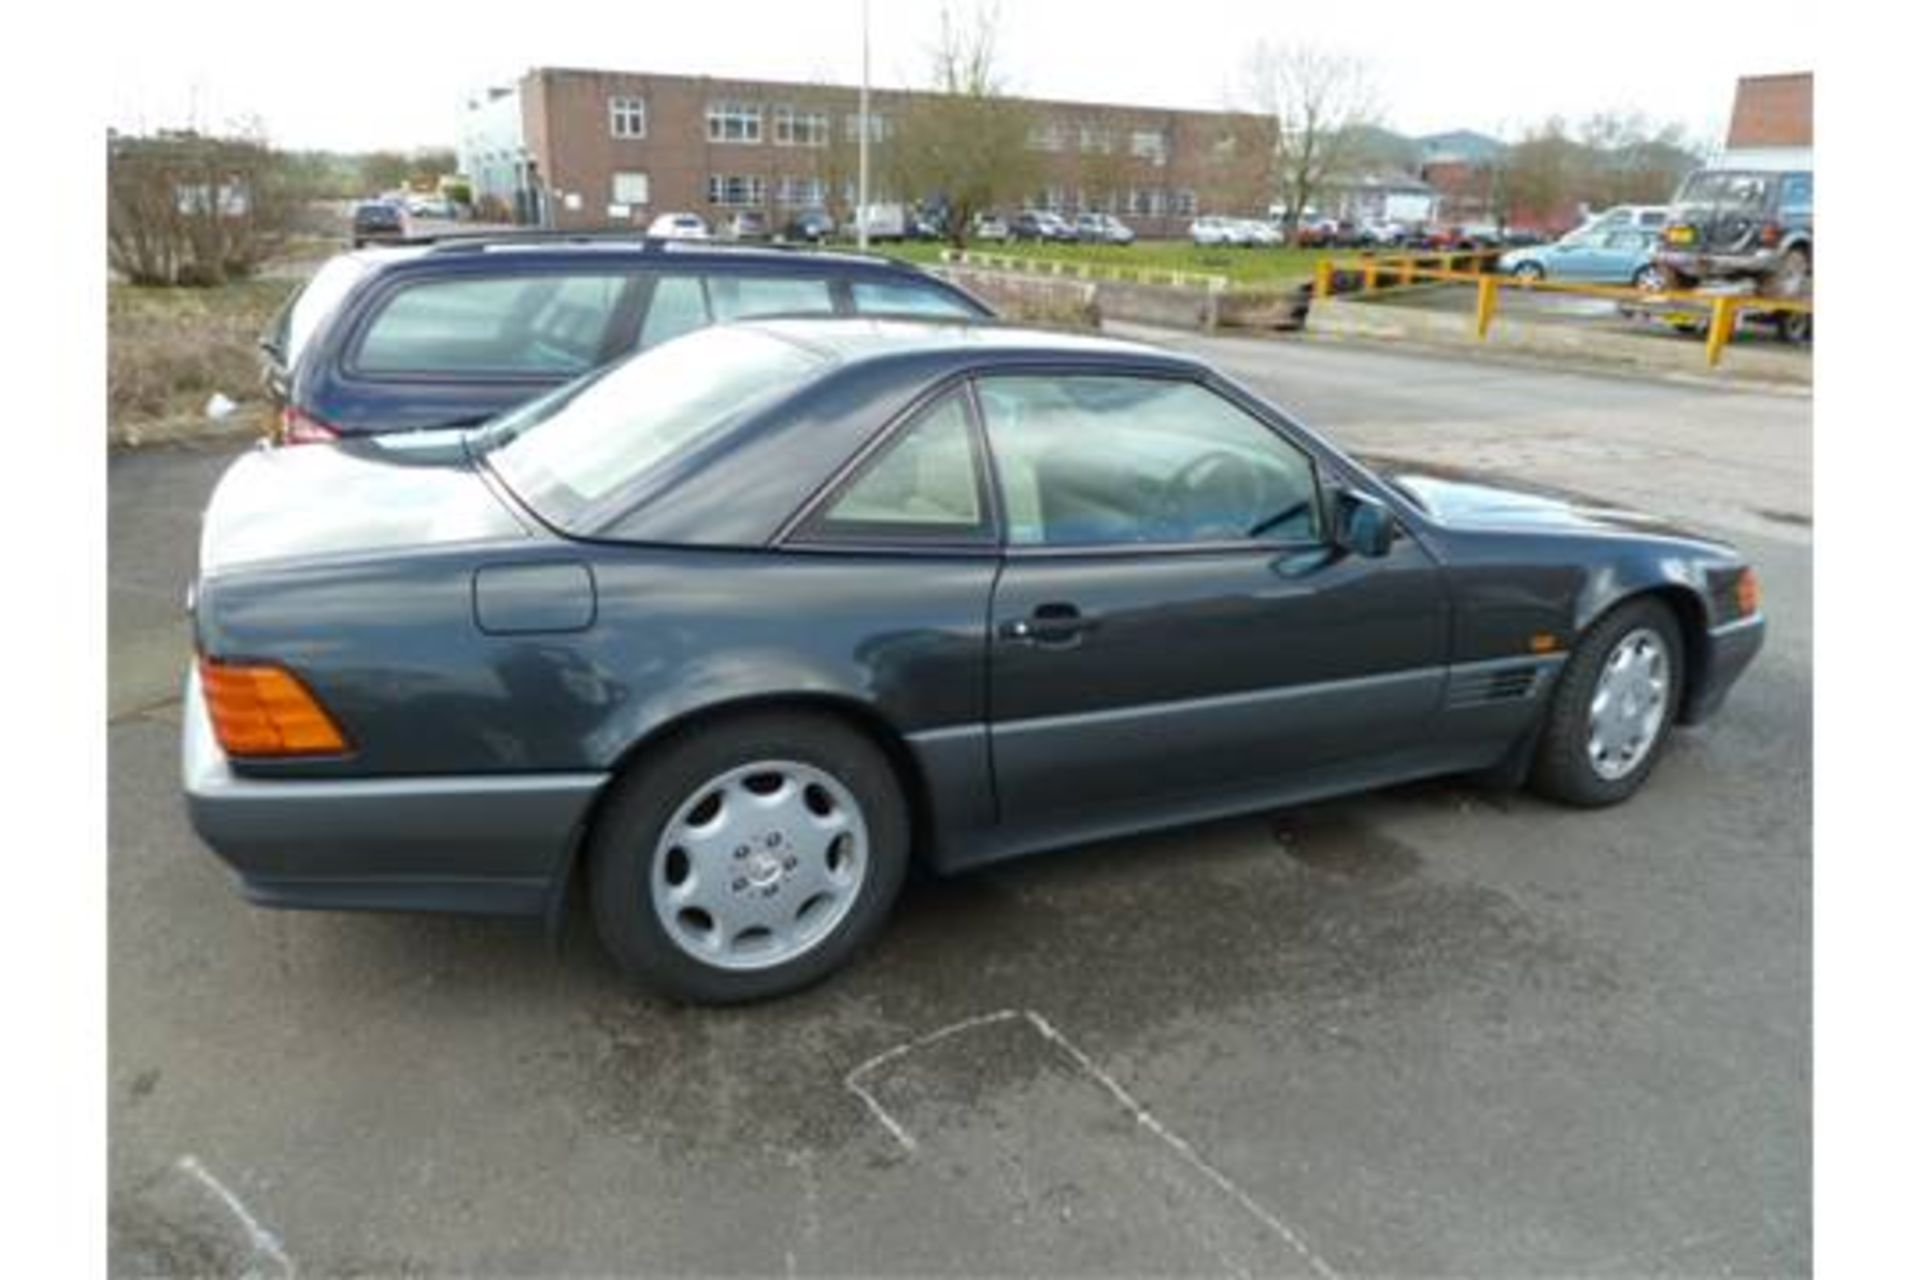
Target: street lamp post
(860, 209)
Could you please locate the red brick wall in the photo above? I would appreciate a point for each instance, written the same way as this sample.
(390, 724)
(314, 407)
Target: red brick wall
(1772, 111)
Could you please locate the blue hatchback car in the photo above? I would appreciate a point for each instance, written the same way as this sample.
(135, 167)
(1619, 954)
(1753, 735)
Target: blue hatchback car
(1622, 256)
(454, 332)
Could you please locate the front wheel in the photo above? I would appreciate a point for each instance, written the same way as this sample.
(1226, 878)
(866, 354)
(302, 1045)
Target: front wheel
(1529, 271)
(1612, 708)
(750, 858)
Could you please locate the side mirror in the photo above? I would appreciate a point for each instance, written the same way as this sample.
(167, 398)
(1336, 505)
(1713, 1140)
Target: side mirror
(1363, 524)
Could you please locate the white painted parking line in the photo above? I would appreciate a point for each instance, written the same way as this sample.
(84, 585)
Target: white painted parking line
(858, 1082)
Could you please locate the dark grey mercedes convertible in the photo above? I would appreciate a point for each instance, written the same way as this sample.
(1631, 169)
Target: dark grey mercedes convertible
(727, 635)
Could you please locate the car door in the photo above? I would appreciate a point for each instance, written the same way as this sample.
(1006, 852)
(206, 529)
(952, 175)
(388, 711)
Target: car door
(1621, 253)
(1575, 258)
(1170, 621)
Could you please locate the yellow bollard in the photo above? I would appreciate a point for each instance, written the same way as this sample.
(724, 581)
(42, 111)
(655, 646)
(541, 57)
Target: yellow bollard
(1719, 329)
(1323, 278)
(1489, 293)
(1406, 271)
(1369, 275)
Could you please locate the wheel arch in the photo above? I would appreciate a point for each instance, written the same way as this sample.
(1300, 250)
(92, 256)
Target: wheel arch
(850, 711)
(1689, 612)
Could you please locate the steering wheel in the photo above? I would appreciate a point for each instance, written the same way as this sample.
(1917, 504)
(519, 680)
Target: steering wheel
(1217, 492)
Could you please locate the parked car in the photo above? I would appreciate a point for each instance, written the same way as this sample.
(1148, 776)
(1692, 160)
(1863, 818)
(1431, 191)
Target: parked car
(679, 226)
(883, 222)
(1382, 234)
(710, 637)
(455, 332)
(1747, 226)
(815, 225)
(990, 227)
(1258, 234)
(1629, 217)
(1600, 257)
(927, 225)
(1039, 225)
(1102, 228)
(431, 207)
(748, 224)
(1212, 231)
(380, 222)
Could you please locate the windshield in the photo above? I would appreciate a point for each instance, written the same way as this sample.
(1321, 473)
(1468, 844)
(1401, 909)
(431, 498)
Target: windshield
(591, 439)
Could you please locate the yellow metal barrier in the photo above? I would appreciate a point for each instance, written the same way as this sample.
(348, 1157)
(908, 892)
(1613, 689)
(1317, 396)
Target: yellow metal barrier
(1723, 310)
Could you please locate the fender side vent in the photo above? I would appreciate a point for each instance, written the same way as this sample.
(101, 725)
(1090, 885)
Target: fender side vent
(1496, 684)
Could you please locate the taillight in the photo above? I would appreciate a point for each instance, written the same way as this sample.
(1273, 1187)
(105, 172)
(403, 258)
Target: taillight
(1746, 593)
(303, 428)
(1769, 233)
(259, 709)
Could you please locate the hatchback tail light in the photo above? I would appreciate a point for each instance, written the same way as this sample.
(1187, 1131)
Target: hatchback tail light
(264, 710)
(303, 428)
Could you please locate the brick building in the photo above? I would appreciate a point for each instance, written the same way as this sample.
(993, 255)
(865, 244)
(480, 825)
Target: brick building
(581, 148)
(1772, 125)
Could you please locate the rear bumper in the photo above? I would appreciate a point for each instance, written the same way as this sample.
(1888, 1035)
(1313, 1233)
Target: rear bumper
(1729, 650)
(495, 844)
(1709, 266)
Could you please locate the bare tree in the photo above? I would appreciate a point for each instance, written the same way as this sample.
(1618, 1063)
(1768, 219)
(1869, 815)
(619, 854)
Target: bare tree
(1318, 103)
(965, 143)
(183, 208)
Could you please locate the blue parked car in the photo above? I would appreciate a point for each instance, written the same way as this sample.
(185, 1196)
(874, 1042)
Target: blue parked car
(1596, 257)
(451, 333)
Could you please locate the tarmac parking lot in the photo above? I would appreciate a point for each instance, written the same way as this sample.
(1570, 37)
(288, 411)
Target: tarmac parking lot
(1429, 1031)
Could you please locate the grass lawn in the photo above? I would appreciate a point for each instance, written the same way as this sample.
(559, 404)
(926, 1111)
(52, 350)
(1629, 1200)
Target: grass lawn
(1246, 268)
(168, 350)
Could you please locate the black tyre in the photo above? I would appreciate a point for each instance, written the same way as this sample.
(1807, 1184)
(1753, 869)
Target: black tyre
(1612, 708)
(1651, 279)
(750, 858)
(1529, 271)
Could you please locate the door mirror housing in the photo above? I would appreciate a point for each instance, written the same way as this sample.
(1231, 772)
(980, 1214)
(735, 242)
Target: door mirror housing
(1362, 523)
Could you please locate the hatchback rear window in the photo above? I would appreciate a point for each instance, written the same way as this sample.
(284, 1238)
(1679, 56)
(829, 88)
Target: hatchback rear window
(303, 313)
(547, 324)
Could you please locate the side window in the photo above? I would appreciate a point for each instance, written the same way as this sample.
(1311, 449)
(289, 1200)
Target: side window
(734, 297)
(678, 306)
(535, 324)
(1796, 192)
(910, 299)
(926, 485)
(1090, 460)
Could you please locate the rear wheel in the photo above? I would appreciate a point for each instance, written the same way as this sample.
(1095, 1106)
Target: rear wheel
(1529, 271)
(1612, 708)
(1650, 279)
(749, 859)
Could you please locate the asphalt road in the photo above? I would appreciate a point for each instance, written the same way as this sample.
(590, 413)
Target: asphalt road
(1430, 1031)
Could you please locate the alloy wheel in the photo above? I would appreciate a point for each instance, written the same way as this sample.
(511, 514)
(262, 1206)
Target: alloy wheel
(759, 865)
(1629, 707)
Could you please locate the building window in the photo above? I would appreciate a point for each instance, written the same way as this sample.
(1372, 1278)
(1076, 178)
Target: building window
(1147, 202)
(1149, 144)
(1185, 203)
(1046, 137)
(733, 122)
(800, 193)
(1096, 139)
(736, 190)
(799, 128)
(630, 188)
(627, 117)
(876, 127)
(1051, 199)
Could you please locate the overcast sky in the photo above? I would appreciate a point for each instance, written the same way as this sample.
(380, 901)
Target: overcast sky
(352, 76)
